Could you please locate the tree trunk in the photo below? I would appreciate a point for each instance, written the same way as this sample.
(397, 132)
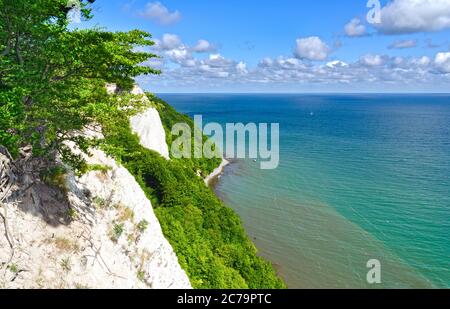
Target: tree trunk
(8, 174)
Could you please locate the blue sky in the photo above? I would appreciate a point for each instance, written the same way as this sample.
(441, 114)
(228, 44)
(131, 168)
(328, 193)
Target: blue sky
(289, 45)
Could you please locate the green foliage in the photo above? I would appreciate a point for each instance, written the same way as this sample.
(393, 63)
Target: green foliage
(117, 231)
(98, 168)
(72, 214)
(13, 268)
(170, 117)
(142, 226)
(208, 237)
(66, 264)
(100, 202)
(141, 275)
(55, 176)
(52, 79)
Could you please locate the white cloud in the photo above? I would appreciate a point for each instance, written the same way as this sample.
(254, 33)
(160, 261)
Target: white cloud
(266, 62)
(421, 62)
(372, 60)
(442, 62)
(179, 55)
(217, 61)
(183, 67)
(403, 44)
(168, 42)
(158, 13)
(370, 72)
(355, 28)
(336, 64)
(215, 66)
(410, 16)
(203, 46)
(173, 49)
(312, 48)
(241, 67)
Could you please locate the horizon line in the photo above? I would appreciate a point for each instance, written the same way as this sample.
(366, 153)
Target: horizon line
(307, 93)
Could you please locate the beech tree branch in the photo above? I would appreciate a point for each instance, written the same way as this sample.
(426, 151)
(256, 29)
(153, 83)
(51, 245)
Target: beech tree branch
(18, 51)
(8, 45)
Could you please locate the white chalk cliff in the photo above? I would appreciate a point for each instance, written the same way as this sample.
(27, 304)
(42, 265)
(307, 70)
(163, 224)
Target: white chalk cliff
(101, 233)
(149, 127)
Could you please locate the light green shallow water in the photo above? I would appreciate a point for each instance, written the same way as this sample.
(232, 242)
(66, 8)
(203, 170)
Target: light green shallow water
(360, 178)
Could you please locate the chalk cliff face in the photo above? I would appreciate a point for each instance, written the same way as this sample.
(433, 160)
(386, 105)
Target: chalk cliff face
(147, 125)
(97, 231)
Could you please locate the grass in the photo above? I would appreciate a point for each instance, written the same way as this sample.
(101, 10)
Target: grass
(141, 275)
(117, 231)
(13, 268)
(66, 264)
(142, 226)
(72, 214)
(124, 213)
(98, 168)
(65, 244)
(80, 286)
(99, 202)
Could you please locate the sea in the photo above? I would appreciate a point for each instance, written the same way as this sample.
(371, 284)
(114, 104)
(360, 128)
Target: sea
(362, 178)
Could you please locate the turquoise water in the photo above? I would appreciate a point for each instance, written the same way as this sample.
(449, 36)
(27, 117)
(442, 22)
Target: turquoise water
(361, 177)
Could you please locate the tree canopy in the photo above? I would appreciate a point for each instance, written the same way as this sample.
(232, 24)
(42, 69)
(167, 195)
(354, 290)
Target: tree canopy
(53, 77)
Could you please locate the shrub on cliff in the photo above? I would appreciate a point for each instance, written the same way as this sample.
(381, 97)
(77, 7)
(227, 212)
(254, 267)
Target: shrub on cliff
(170, 117)
(52, 78)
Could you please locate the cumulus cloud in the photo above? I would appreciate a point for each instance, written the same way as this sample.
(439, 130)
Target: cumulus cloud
(217, 72)
(410, 16)
(203, 46)
(241, 68)
(371, 60)
(442, 62)
(181, 56)
(421, 62)
(336, 64)
(312, 48)
(171, 47)
(183, 67)
(403, 44)
(283, 64)
(168, 42)
(160, 14)
(355, 28)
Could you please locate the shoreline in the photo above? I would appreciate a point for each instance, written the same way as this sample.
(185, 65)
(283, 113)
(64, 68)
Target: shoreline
(211, 181)
(217, 172)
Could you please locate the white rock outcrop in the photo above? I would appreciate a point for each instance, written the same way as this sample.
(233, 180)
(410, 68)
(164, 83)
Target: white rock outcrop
(151, 132)
(105, 235)
(150, 129)
(147, 125)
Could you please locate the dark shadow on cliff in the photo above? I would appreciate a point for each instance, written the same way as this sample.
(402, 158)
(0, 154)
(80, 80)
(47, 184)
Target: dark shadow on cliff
(27, 191)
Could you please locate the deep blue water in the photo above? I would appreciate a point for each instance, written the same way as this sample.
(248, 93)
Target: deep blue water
(361, 177)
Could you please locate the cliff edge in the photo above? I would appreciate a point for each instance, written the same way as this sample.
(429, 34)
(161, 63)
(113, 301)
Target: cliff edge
(93, 231)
